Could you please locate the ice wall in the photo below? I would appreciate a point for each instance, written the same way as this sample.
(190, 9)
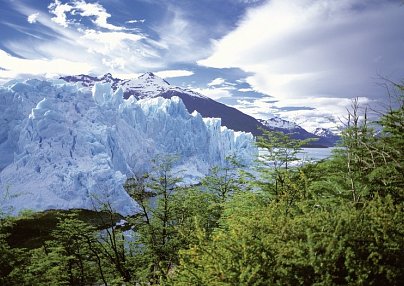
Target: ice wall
(62, 146)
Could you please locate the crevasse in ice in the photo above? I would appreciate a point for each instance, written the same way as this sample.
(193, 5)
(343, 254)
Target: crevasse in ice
(62, 146)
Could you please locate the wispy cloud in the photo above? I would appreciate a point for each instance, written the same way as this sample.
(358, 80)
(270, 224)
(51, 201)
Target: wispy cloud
(218, 89)
(101, 51)
(106, 42)
(174, 73)
(179, 38)
(222, 83)
(135, 21)
(104, 47)
(214, 93)
(59, 10)
(217, 81)
(304, 50)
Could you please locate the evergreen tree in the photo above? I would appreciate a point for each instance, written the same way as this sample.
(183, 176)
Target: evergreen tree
(68, 258)
(10, 259)
(156, 225)
(276, 163)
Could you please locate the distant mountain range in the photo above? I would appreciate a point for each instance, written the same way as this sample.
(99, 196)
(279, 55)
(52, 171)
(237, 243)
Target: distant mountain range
(149, 85)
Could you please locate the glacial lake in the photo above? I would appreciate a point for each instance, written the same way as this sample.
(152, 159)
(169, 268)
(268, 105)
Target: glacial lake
(306, 155)
(315, 154)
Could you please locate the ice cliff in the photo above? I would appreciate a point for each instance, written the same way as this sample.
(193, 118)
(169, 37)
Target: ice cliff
(65, 146)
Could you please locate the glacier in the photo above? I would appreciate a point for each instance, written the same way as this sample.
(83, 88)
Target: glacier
(65, 146)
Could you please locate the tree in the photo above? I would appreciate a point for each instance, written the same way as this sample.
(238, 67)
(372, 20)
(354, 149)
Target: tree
(386, 176)
(222, 183)
(357, 137)
(156, 225)
(277, 171)
(11, 259)
(113, 247)
(374, 162)
(69, 258)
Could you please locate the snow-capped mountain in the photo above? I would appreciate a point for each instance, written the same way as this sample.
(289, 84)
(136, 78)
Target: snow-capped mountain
(150, 85)
(66, 145)
(146, 85)
(277, 122)
(327, 134)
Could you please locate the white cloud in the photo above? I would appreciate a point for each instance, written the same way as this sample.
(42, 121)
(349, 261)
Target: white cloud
(59, 10)
(126, 75)
(13, 66)
(99, 12)
(318, 115)
(259, 108)
(105, 42)
(309, 49)
(250, 1)
(84, 9)
(214, 93)
(222, 84)
(118, 51)
(135, 21)
(32, 18)
(245, 89)
(121, 52)
(174, 73)
(217, 81)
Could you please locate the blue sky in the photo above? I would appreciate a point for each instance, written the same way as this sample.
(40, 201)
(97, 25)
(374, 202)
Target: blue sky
(303, 60)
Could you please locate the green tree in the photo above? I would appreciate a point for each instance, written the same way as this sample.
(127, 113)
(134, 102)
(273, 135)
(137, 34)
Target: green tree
(224, 181)
(374, 162)
(220, 185)
(357, 136)
(69, 258)
(278, 172)
(194, 209)
(113, 247)
(156, 225)
(388, 155)
(11, 259)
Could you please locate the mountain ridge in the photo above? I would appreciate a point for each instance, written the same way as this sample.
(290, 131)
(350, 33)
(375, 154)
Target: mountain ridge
(150, 85)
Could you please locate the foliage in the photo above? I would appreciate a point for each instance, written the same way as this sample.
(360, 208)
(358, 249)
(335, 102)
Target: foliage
(335, 222)
(276, 170)
(67, 259)
(312, 245)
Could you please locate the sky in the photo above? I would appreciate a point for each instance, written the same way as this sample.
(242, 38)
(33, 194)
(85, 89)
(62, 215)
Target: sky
(301, 60)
